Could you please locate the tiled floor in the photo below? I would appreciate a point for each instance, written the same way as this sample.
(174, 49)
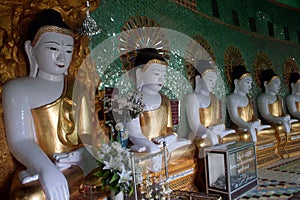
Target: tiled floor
(278, 181)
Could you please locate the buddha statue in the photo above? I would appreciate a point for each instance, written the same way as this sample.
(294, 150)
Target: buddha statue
(204, 111)
(39, 119)
(205, 115)
(153, 126)
(270, 104)
(272, 110)
(293, 99)
(241, 113)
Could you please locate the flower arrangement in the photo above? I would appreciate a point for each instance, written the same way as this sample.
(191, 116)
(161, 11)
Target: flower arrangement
(120, 109)
(126, 106)
(115, 169)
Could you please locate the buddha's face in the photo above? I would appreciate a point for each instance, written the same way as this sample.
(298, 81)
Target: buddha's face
(210, 79)
(53, 52)
(154, 77)
(274, 85)
(245, 84)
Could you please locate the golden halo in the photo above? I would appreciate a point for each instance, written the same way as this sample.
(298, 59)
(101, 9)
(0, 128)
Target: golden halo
(141, 32)
(194, 53)
(232, 57)
(290, 66)
(261, 62)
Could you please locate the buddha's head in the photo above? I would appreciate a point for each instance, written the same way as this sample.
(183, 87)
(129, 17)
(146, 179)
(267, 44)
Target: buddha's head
(242, 79)
(49, 44)
(271, 81)
(205, 76)
(151, 70)
(295, 82)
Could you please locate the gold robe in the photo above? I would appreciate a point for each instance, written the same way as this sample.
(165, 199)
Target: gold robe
(247, 112)
(56, 132)
(212, 114)
(158, 122)
(276, 107)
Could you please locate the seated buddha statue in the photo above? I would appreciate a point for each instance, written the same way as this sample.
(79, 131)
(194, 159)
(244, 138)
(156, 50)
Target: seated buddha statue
(38, 115)
(272, 110)
(204, 110)
(293, 99)
(204, 113)
(270, 104)
(153, 126)
(241, 113)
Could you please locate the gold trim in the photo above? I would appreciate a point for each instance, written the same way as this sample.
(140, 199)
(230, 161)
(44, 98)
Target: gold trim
(276, 76)
(208, 70)
(154, 61)
(243, 76)
(55, 29)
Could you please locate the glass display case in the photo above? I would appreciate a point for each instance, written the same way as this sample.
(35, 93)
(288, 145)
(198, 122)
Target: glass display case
(230, 169)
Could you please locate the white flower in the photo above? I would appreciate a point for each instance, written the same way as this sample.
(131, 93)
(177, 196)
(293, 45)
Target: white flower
(125, 176)
(113, 164)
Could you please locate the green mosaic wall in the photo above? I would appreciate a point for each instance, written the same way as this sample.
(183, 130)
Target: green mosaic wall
(219, 33)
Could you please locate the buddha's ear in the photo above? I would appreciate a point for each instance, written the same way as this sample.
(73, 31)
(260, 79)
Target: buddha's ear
(139, 79)
(32, 61)
(265, 84)
(235, 81)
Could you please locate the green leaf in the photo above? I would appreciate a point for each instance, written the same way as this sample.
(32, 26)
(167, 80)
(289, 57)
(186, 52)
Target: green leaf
(114, 178)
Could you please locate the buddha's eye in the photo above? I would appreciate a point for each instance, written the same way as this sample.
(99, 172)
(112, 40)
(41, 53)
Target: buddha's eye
(53, 48)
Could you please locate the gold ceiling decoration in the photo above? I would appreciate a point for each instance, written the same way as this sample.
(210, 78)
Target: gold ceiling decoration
(141, 32)
(290, 66)
(232, 57)
(194, 53)
(261, 62)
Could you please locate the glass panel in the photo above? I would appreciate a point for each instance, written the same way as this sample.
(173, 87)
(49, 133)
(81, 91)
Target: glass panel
(217, 176)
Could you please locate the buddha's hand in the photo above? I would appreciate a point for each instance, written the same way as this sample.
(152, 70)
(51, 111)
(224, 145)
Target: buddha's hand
(258, 126)
(251, 129)
(218, 129)
(137, 148)
(76, 157)
(169, 139)
(289, 120)
(54, 183)
(286, 124)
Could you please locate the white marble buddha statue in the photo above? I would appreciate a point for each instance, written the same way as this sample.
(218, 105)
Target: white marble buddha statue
(204, 111)
(270, 105)
(241, 112)
(239, 105)
(293, 99)
(153, 126)
(39, 121)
